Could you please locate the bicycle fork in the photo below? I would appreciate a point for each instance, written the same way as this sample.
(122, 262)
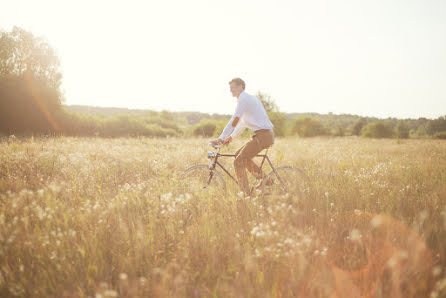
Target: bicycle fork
(212, 166)
(211, 172)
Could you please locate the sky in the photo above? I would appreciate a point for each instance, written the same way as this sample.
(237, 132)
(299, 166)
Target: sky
(381, 58)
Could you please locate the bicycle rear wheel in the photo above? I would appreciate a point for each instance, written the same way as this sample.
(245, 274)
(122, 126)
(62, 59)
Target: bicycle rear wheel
(286, 180)
(200, 180)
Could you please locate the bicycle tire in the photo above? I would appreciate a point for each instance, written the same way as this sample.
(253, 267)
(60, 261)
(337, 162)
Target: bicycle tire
(194, 181)
(292, 181)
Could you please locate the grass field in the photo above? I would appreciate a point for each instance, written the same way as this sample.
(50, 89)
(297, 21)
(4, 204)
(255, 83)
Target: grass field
(106, 218)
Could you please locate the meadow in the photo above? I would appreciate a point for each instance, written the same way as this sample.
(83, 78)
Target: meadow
(100, 217)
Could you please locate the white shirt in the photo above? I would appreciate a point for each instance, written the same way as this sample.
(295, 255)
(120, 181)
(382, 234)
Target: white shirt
(252, 115)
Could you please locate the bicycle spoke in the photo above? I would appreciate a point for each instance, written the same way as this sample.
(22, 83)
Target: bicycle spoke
(199, 180)
(286, 180)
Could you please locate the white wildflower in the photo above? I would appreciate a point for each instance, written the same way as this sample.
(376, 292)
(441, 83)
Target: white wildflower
(355, 235)
(376, 221)
(110, 293)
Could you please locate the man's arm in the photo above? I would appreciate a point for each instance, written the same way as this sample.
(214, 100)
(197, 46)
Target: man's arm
(238, 129)
(225, 135)
(229, 128)
(235, 122)
(234, 128)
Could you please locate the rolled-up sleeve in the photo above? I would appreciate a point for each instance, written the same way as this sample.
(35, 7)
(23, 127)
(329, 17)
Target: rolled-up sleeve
(227, 130)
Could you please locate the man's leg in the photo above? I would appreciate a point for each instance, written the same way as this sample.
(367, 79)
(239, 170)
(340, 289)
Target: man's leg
(254, 169)
(265, 139)
(252, 166)
(243, 159)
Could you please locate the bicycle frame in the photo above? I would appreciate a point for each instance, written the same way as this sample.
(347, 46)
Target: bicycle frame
(215, 162)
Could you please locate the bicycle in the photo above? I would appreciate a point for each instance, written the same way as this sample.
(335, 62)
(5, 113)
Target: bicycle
(202, 178)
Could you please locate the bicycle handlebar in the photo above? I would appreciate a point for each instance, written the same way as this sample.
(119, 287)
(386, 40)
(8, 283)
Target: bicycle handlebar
(215, 146)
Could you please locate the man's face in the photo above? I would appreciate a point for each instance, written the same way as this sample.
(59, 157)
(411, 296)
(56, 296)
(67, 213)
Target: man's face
(235, 89)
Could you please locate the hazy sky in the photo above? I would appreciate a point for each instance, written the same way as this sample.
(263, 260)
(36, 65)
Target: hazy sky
(373, 58)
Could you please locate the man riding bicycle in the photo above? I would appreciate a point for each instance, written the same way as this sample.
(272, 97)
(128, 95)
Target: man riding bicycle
(251, 114)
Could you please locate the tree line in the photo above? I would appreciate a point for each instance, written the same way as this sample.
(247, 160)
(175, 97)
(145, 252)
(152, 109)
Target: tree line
(31, 103)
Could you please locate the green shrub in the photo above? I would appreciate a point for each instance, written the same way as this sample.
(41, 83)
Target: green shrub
(205, 128)
(338, 131)
(440, 135)
(165, 120)
(357, 127)
(279, 121)
(380, 129)
(308, 127)
(402, 130)
(436, 125)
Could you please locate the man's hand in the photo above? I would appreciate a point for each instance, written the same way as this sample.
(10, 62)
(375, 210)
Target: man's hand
(227, 140)
(216, 142)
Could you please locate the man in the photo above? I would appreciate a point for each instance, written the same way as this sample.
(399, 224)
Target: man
(251, 114)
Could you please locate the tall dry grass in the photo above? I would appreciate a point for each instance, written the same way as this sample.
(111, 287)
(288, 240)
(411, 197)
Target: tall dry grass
(93, 217)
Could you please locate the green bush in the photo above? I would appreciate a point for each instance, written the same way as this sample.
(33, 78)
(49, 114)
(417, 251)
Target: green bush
(436, 125)
(278, 119)
(357, 127)
(338, 130)
(164, 119)
(378, 129)
(78, 124)
(402, 130)
(440, 135)
(205, 128)
(280, 123)
(308, 127)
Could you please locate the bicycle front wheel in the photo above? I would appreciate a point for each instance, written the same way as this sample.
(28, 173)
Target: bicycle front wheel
(286, 180)
(200, 180)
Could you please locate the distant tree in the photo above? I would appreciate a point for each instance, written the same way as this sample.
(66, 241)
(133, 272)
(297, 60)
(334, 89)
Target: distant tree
(378, 129)
(308, 127)
(21, 52)
(278, 119)
(268, 102)
(440, 135)
(167, 115)
(436, 125)
(30, 96)
(357, 127)
(339, 130)
(402, 130)
(205, 128)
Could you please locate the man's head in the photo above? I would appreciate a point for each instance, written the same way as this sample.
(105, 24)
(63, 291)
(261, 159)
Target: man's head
(237, 86)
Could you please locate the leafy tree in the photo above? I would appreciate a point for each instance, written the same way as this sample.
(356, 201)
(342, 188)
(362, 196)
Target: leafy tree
(339, 130)
(379, 129)
(436, 125)
(21, 52)
(402, 130)
(440, 135)
(268, 102)
(205, 128)
(29, 84)
(357, 127)
(167, 115)
(278, 119)
(308, 127)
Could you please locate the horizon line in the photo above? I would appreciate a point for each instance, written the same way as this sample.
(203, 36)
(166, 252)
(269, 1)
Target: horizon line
(211, 113)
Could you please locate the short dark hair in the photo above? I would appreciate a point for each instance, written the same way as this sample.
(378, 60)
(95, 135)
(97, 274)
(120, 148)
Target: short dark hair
(238, 81)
